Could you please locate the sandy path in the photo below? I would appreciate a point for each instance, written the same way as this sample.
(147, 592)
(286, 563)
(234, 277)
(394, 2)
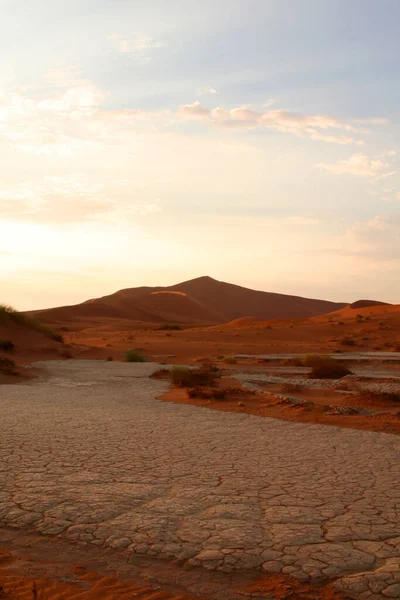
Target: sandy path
(91, 455)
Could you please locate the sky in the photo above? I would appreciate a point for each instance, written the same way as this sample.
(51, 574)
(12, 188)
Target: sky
(145, 142)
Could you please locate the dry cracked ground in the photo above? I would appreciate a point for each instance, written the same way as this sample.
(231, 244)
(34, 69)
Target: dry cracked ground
(89, 453)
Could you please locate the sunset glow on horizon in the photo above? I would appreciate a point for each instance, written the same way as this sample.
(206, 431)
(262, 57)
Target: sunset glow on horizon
(147, 143)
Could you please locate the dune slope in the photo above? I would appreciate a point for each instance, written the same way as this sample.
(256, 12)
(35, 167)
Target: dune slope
(201, 301)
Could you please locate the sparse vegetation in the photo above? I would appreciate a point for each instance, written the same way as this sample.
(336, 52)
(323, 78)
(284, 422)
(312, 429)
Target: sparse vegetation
(324, 367)
(134, 356)
(359, 318)
(169, 327)
(161, 374)
(199, 392)
(348, 341)
(7, 345)
(7, 366)
(310, 360)
(298, 361)
(183, 376)
(22, 319)
(110, 358)
(229, 360)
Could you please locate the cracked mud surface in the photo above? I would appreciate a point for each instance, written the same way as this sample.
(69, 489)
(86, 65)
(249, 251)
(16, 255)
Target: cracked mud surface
(91, 455)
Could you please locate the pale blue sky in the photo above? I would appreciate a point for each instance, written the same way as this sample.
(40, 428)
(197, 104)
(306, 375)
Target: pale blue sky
(147, 142)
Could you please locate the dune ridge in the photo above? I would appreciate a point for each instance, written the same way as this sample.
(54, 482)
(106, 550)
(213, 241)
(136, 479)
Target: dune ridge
(203, 301)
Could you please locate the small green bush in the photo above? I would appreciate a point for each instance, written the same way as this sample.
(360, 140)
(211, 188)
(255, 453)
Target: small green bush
(181, 376)
(134, 356)
(7, 345)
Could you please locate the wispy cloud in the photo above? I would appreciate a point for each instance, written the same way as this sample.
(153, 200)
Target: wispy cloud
(245, 117)
(139, 45)
(360, 165)
(204, 91)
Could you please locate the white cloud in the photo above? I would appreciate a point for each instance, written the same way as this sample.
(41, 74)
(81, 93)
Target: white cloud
(193, 111)
(204, 91)
(360, 165)
(139, 45)
(64, 118)
(246, 117)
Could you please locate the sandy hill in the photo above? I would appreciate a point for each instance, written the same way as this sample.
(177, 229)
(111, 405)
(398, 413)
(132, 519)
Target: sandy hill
(373, 310)
(30, 340)
(201, 301)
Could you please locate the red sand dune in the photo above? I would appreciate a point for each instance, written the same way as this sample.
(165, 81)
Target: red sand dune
(201, 301)
(24, 336)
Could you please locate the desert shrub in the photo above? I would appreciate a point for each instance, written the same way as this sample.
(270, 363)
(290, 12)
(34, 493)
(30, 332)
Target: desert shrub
(310, 360)
(348, 341)
(396, 347)
(7, 366)
(161, 374)
(169, 327)
(340, 322)
(198, 392)
(7, 345)
(109, 358)
(328, 368)
(219, 394)
(230, 360)
(65, 353)
(297, 361)
(64, 328)
(292, 387)
(134, 356)
(185, 377)
(57, 337)
(359, 318)
(181, 376)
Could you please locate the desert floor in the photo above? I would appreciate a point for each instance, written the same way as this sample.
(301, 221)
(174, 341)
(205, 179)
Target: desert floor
(91, 455)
